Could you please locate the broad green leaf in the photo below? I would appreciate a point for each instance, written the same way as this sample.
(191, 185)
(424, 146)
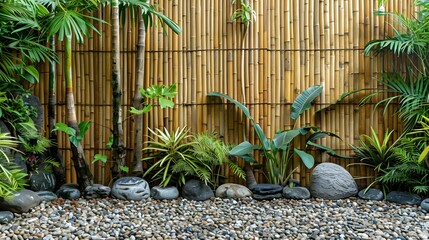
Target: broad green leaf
(100, 157)
(123, 168)
(83, 127)
(144, 110)
(237, 103)
(322, 134)
(264, 141)
(306, 158)
(110, 142)
(304, 100)
(283, 139)
(74, 140)
(243, 148)
(62, 127)
(164, 102)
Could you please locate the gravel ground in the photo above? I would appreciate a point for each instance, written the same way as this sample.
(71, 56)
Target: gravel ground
(219, 219)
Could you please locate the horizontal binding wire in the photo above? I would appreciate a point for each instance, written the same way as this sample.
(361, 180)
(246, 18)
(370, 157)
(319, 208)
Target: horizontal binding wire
(223, 49)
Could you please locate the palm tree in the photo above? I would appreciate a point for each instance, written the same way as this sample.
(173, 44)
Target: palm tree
(69, 18)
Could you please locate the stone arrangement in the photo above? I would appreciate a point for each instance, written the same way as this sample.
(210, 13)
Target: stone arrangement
(237, 212)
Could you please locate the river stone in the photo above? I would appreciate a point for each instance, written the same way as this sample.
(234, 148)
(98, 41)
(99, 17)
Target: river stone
(20, 202)
(42, 181)
(266, 189)
(425, 204)
(371, 194)
(296, 193)
(6, 217)
(232, 190)
(197, 190)
(405, 198)
(170, 192)
(331, 181)
(97, 191)
(131, 188)
(47, 196)
(69, 191)
(267, 196)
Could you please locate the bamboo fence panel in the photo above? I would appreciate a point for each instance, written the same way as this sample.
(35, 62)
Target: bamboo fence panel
(291, 46)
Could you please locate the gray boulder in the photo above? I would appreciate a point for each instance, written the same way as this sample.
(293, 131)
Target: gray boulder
(232, 190)
(97, 191)
(131, 188)
(197, 190)
(404, 198)
(425, 204)
(371, 194)
(69, 191)
(6, 217)
(47, 196)
(296, 193)
(20, 202)
(170, 192)
(42, 181)
(331, 181)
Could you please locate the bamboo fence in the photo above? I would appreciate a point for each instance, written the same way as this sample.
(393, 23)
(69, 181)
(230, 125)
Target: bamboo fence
(291, 46)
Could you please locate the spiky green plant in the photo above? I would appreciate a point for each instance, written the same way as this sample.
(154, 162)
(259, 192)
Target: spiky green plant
(407, 174)
(11, 178)
(173, 158)
(213, 153)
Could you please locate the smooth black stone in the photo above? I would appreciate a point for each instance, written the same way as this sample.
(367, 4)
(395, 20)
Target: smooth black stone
(425, 204)
(405, 198)
(6, 217)
(267, 196)
(266, 189)
(296, 193)
(21, 201)
(371, 194)
(42, 181)
(47, 196)
(197, 190)
(69, 191)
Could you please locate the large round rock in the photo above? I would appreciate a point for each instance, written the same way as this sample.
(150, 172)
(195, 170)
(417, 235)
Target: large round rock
(170, 192)
(20, 202)
(42, 181)
(131, 188)
(197, 190)
(331, 181)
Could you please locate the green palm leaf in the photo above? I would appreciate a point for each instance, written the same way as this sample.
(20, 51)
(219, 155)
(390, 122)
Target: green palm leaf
(304, 100)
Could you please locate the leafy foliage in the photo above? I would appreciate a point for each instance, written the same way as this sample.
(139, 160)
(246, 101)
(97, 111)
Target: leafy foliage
(173, 157)
(279, 151)
(213, 154)
(245, 14)
(11, 178)
(163, 93)
(21, 42)
(74, 137)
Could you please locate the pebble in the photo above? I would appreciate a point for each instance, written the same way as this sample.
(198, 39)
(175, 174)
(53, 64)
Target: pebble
(218, 219)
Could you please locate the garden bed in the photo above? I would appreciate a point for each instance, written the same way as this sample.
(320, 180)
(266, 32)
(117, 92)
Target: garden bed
(218, 218)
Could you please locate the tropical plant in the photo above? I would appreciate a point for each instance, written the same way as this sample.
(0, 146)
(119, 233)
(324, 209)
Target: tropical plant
(68, 19)
(408, 173)
(376, 153)
(213, 154)
(420, 136)
(173, 157)
(21, 42)
(279, 151)
(11, 178)
(409, 41)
